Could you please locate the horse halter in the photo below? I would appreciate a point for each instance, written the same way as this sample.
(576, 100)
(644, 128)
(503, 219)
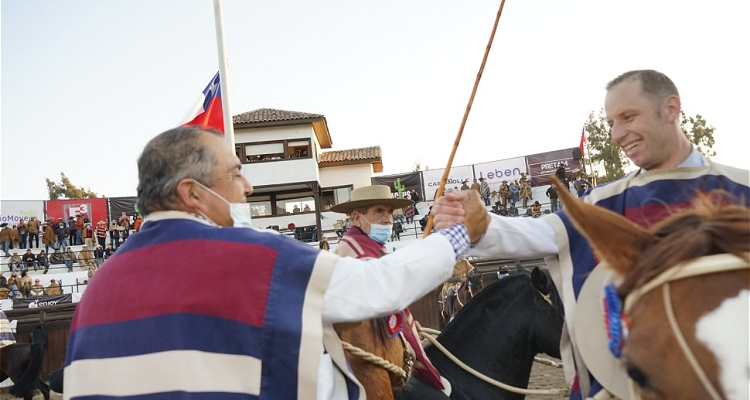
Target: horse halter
(705, 265)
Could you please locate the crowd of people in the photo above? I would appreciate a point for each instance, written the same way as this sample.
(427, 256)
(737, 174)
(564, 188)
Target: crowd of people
(16, 286)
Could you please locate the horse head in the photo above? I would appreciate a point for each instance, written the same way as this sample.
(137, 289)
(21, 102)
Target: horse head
(685, 284)
(499, 332)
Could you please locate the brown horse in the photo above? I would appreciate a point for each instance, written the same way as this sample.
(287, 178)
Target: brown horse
(21, 362)
(685, 284)
(371, 337)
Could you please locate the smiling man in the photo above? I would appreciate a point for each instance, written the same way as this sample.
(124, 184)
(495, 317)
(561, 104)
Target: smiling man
(643, 110)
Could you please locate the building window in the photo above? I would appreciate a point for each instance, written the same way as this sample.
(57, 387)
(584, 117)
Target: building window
(274, 151)
(294, 204)
(260, 206)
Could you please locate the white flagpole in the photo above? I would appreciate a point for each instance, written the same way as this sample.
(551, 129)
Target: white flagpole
(224, 74)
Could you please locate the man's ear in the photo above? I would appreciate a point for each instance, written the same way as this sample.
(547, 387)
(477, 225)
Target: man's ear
(671, 107)
(189, 194)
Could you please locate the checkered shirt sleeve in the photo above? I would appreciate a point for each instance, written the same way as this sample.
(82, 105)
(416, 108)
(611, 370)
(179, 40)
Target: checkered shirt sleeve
(458, 236)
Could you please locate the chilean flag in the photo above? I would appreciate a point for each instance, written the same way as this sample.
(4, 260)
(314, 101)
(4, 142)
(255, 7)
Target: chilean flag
(208, 112)
(583, 140)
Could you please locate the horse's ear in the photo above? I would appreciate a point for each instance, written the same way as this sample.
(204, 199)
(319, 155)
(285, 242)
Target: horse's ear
(540, 281)
(613, 237)
(521, 269)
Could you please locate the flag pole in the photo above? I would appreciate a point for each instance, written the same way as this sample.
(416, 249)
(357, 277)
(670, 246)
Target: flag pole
(223, 74)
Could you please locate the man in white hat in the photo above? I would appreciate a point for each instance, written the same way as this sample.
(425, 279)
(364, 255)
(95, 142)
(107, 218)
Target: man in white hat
(371, 211)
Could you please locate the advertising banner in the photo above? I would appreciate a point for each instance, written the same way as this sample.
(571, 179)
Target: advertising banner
(543, 165)
(494, 172)
(118, 205)
(93, 209)
(405, 182)
(431, 179)
(41, 301)
(13, 211)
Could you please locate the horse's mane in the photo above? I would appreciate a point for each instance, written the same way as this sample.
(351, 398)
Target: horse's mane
(711, 226)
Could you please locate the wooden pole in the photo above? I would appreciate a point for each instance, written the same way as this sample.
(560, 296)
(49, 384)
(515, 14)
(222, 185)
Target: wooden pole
(444, 179)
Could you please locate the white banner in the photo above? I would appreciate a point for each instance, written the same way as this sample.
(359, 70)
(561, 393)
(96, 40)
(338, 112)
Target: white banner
(13, 211)
(431, 179)
(494, 172)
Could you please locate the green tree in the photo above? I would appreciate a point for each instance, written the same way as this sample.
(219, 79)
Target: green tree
(606, 157)
(67, 190)
(700, 134)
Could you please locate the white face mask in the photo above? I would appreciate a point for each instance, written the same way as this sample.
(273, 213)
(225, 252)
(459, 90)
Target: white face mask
(240, 212)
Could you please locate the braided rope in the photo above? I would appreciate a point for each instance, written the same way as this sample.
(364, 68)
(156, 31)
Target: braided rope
(373, 359)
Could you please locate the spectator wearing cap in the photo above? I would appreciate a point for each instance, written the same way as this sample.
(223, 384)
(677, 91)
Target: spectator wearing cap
(49, 238)
(101, 233)
(33, 229)
(5, 238)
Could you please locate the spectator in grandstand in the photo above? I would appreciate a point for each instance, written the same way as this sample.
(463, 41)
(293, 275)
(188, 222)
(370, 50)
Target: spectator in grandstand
(71, 228)
(33, 228)
(53, 289)
(514, 190)
(101, 233)
(5, 237)
(23, 233)
(99, 255)
(114, 234)
(416, 199)
(37, 289)
(61, 232)
(192, 193)
(109, 251)
(14, 284)
(15, 238)
(25, 284)
(323, 244)
(536, 209)
(15, 260)
(465, 185)
(525, 189)
(49, 238)
(79, 228)
(42, 261)
(484, 190)
(137, 223)
(86, 257)
(88, 235)
(70, 258)
(92, 270)
(57, 258)
(29, 260)
(3, 281)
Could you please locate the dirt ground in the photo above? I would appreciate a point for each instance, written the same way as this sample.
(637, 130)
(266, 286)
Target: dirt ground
(542, 377)
(546, 377)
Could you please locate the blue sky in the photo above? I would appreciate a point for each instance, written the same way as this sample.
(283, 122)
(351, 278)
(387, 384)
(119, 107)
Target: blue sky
(85, 84)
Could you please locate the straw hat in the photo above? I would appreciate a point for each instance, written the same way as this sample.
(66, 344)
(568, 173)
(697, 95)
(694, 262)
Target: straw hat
(367, 196)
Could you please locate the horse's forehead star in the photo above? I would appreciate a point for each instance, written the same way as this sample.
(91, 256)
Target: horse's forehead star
(725, 332)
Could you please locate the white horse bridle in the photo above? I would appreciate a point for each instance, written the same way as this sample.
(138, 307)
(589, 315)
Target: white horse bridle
(700, 266)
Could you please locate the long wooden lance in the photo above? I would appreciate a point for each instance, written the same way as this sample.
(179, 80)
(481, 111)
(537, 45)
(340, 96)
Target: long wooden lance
(447, 171)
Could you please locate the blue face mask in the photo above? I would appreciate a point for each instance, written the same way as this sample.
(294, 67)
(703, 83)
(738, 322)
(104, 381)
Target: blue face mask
(379, 232)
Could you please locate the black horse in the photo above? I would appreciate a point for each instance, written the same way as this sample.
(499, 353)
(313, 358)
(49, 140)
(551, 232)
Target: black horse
(21, 362)
(497, 333)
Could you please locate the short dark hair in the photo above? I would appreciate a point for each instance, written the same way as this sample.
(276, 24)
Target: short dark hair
(654, 83)
(169, 158)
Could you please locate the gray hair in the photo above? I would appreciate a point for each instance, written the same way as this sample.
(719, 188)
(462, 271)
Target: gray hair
(169, 158)
(657, 85)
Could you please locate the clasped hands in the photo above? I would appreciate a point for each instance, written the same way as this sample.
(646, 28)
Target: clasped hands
(462, 207)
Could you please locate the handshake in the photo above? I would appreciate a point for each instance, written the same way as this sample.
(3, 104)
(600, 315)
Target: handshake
(462, 207)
